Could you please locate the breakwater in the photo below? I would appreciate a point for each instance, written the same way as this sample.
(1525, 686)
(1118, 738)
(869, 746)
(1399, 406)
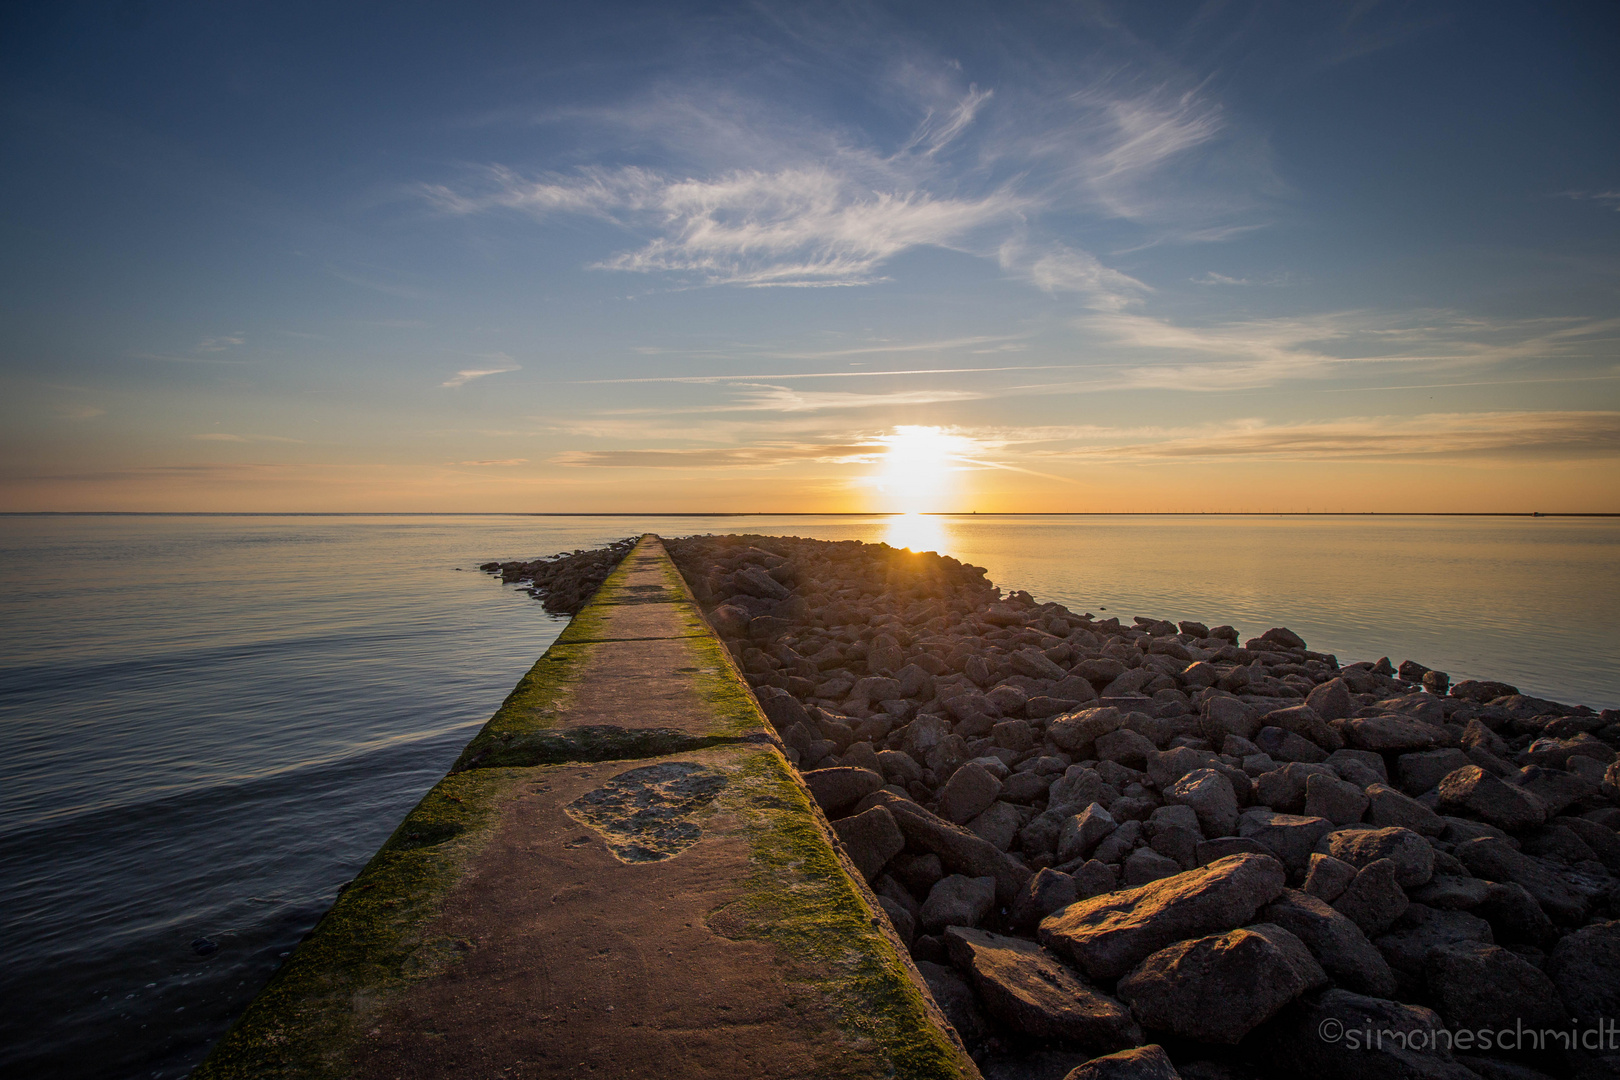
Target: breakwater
(621, 875)
(1148, 846)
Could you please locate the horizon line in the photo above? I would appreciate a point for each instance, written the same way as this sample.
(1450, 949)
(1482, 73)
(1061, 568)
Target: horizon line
(812, 513)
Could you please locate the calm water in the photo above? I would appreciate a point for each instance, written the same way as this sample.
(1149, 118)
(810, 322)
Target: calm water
(209, 723)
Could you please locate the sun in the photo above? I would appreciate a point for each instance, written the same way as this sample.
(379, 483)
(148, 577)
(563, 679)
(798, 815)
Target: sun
(917, 472)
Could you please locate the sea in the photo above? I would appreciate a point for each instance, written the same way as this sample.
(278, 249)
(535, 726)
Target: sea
(208, 723)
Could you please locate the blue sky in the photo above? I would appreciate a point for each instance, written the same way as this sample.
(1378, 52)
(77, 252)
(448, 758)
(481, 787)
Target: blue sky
(1087, 256)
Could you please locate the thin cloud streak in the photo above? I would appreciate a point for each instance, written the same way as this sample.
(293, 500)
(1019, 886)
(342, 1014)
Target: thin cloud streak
(501, 364)
(774, 377)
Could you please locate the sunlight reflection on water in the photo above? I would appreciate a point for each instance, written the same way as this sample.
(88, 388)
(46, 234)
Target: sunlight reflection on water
(919, 532)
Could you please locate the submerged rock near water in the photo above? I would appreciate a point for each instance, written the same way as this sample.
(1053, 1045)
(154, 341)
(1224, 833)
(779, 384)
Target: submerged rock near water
(1146, 832)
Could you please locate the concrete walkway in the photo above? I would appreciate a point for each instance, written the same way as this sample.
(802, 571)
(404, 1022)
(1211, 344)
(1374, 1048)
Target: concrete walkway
(621, 877)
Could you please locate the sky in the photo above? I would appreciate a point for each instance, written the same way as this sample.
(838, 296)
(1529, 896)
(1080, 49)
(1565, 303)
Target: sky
(676, 257)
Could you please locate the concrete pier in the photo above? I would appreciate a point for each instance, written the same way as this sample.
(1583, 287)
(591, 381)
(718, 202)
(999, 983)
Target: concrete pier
(622, 876)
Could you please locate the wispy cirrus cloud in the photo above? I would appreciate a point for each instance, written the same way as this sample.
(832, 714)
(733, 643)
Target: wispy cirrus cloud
(805, 226)
(222, 436)
(760, 455)
(1507, 436)
(498, 364)
(1608, 199)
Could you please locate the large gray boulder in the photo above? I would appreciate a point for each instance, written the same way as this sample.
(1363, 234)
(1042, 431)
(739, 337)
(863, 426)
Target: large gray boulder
(1108, 935)
(1219, 988)
(1337, 943)
(1026, 988)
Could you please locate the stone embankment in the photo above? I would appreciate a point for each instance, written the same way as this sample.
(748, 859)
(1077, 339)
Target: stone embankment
(1171, 851)
(565, 581)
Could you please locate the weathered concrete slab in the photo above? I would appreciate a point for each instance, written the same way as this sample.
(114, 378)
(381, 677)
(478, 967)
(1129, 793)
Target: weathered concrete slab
(675, 914)
(637, 672)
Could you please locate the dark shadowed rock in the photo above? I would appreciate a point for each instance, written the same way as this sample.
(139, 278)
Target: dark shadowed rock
(1297, 1046)
(1392, 734)
(956, 1000)
(1083, 831)
(1497, 860)
(1339, 801)
(1473, 984)
(1093, 878)
(1388, 808)
(1143, 1063)
(1337, 943)
(900, 917)
(841, 787)
(1284, 745)
(1110, 934)
(1209, 851)
(1585, 967)
(1418, 772)
(1514, 915)
(957, 900)
(1421, 930)
(1144, 865)
(1449, 892)
(968, 793)
(998, 824)
(1304, 721)
(1331, 700)
(1048, 891)
(1218, 988)
(1326, 877)
(1289, 837)
(1412, 855)
(1026, 988)
(1473, 792)
(1374, 899)
(1211, 797)
(871, 839)
(957, 848)
(1078, 731)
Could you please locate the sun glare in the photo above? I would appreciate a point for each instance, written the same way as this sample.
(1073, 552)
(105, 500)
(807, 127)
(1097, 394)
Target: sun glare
(917, 470)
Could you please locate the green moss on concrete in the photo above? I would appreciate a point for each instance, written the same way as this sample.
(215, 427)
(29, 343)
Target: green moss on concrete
(534, 705)
(800, 898)
(370, 945)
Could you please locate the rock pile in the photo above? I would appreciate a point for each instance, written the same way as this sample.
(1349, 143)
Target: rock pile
(565, 581)
(1179, 854)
